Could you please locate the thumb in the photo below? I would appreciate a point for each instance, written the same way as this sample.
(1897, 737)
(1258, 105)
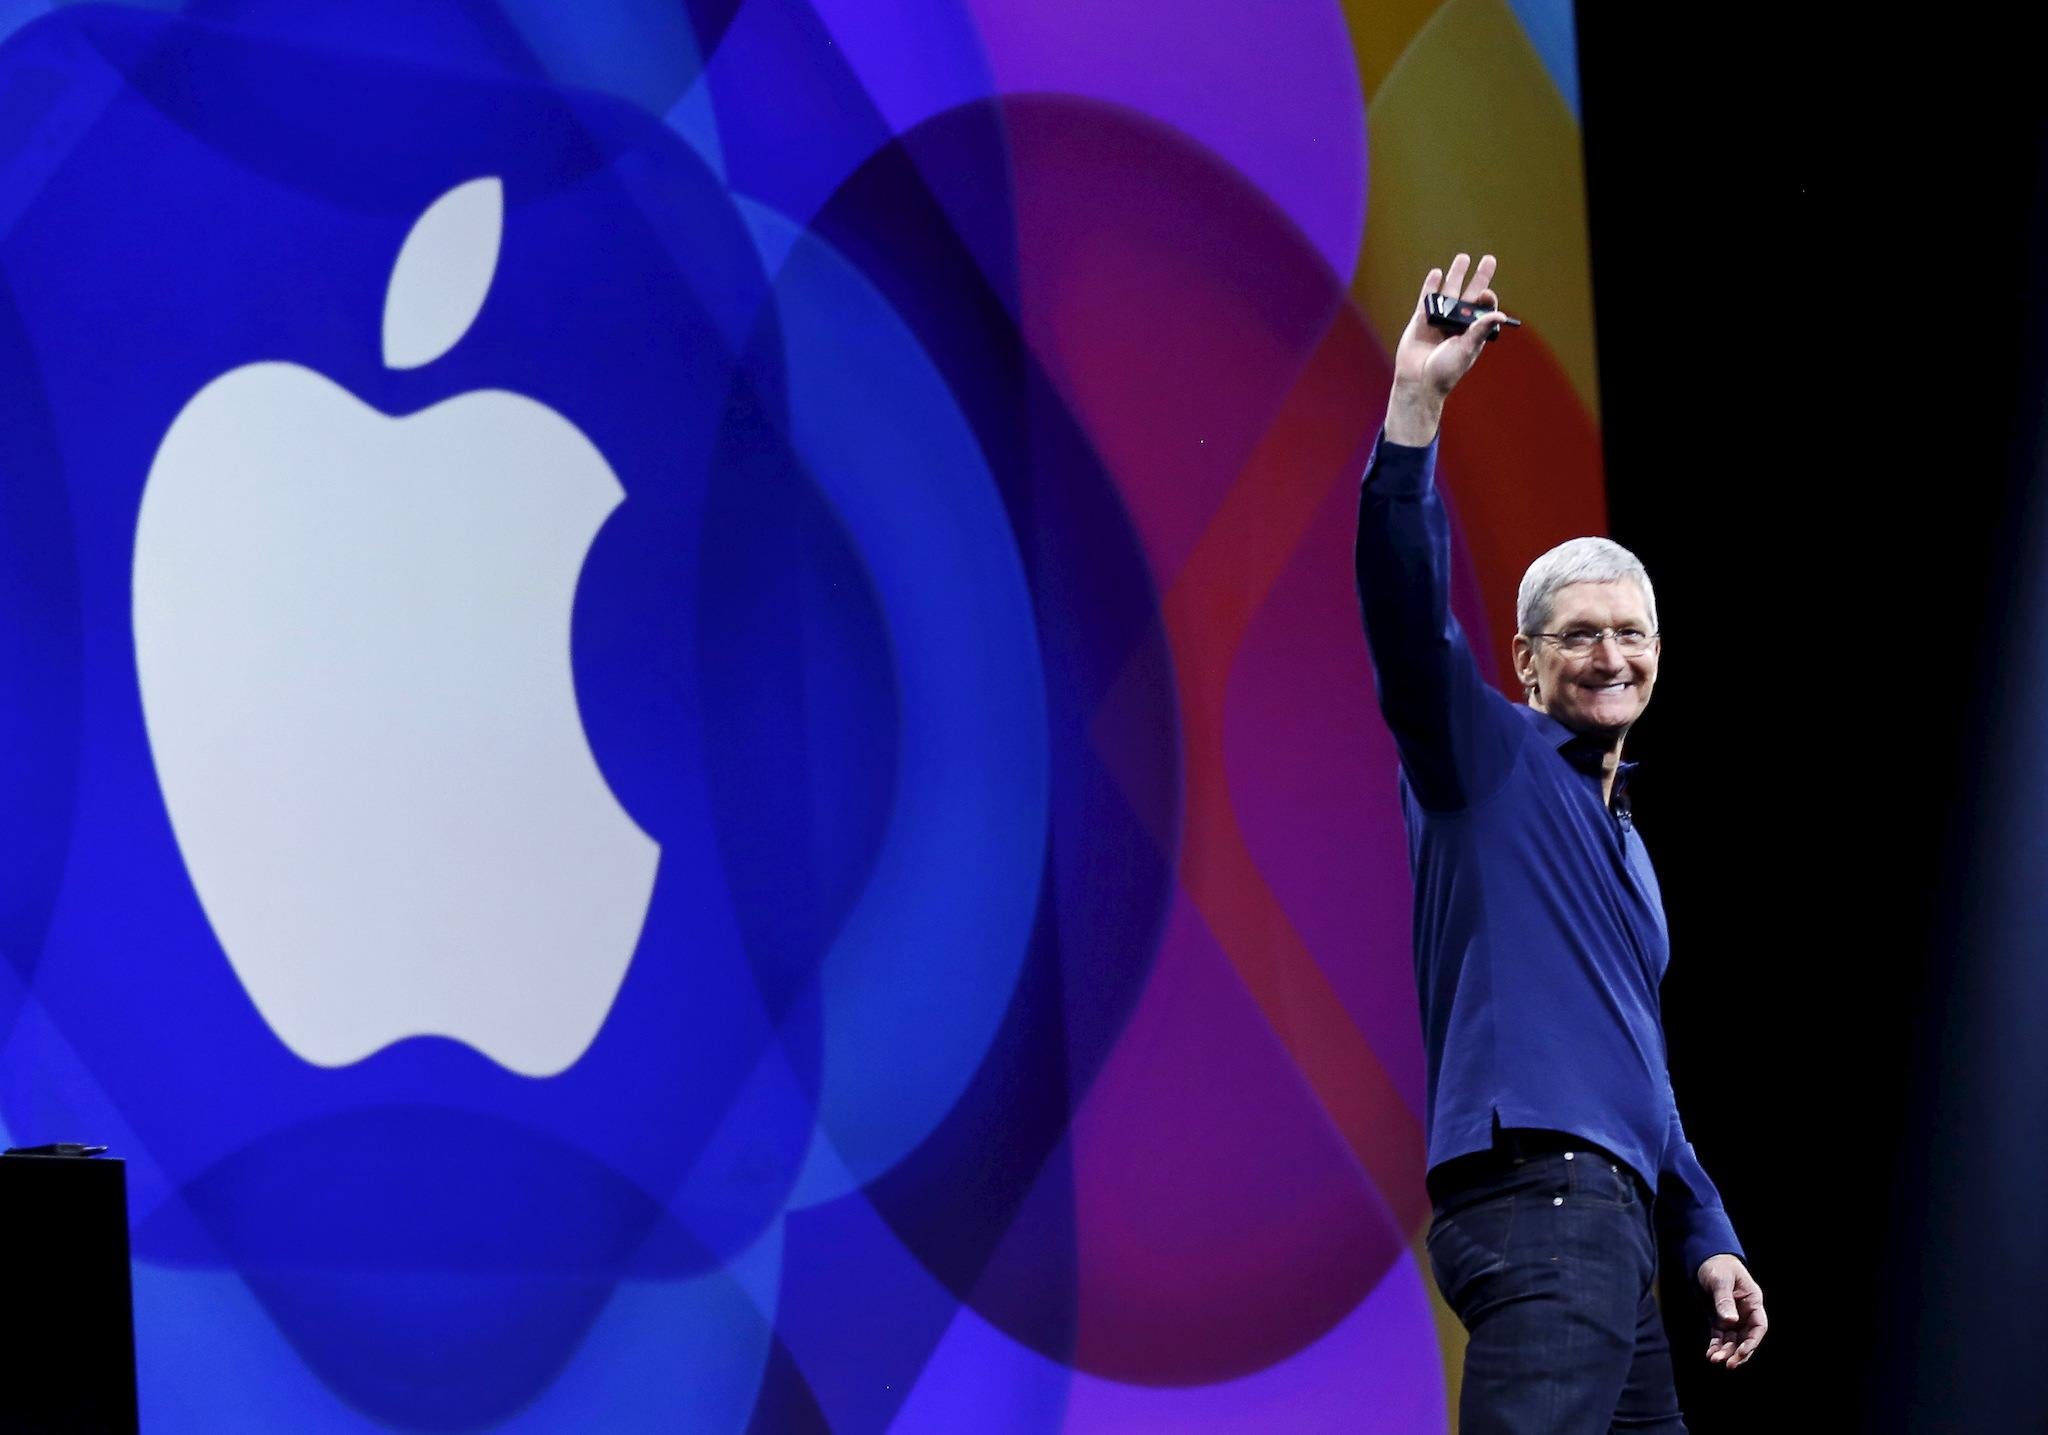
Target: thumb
(1720, 1288)
(1469, 345)
(1472, 343)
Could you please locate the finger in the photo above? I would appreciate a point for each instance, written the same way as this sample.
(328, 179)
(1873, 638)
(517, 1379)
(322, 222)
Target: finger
(1431, 282)
(1484, 326)
(1454, 277)
(1472, 342)
(1752, 1335)
(1719, 1286)
(1481, 277)
(1486, 299)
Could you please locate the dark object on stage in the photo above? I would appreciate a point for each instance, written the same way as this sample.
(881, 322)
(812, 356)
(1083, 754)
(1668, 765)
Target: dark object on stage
(55, 1148)
(1458, 315)
(69, 1330)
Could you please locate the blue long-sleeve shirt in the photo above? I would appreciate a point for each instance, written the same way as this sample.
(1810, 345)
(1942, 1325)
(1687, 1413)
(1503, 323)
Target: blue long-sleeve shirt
(1539, 929)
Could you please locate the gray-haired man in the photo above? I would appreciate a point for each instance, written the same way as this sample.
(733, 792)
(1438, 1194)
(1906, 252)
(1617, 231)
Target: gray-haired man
(1539, 946)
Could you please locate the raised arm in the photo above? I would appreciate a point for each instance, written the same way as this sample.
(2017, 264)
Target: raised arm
(1446, 720)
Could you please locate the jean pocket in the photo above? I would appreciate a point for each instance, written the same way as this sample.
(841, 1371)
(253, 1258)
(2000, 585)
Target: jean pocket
(1605, 1183)
(1468, 1245)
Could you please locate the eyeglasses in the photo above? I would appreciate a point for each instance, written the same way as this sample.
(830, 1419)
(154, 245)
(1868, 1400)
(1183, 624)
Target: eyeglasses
(1577, 642)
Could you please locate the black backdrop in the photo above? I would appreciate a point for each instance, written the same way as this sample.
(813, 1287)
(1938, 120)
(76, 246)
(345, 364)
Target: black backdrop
(1820, 393)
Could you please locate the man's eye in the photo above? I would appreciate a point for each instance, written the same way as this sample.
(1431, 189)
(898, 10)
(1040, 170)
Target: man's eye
(1581, 638)
(1631, 635)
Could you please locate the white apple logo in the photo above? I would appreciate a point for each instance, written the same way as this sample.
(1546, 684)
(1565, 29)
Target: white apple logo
(352, 637)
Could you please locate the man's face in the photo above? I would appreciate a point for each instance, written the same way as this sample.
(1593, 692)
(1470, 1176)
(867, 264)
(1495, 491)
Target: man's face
(1599, 691)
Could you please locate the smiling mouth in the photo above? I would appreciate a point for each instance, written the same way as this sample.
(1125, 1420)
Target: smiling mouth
(1607, 687)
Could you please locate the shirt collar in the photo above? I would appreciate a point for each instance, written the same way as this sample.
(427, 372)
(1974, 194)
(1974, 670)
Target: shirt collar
(1587, 754)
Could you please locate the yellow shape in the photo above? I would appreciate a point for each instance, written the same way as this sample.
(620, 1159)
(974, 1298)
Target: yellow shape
(1473, 149)
(1380, 31)
(1450, 1334)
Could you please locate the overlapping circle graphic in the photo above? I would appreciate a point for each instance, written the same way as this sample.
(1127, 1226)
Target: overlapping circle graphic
(1019, 1016)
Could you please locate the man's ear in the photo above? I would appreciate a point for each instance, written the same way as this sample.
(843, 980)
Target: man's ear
(1525, 661)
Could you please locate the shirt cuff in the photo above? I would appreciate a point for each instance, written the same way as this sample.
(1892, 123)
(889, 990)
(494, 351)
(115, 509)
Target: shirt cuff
(1396, 470)
(1708, 1234)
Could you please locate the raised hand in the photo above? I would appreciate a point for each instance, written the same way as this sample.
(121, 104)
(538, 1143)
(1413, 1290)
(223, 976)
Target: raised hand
(1429, 362)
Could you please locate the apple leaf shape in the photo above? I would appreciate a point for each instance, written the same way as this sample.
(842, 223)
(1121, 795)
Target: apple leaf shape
(443, 272)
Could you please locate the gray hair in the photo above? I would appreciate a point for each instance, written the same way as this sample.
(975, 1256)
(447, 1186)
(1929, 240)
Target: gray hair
(1578, 560)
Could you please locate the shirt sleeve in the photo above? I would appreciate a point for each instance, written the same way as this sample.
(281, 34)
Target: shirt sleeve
(1455, 734)
(1691, 1204)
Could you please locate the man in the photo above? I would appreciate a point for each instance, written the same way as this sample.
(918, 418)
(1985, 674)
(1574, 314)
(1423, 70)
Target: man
(1539, 947)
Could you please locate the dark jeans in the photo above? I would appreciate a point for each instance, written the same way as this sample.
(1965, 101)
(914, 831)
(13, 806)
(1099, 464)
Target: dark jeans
(1549, 1258)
